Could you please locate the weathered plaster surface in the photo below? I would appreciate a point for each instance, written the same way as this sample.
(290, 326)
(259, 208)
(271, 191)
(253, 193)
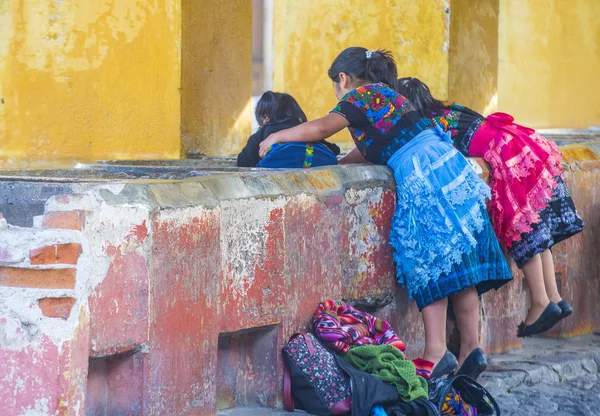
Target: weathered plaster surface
(189, 288)
(309, 34)
(83, 79)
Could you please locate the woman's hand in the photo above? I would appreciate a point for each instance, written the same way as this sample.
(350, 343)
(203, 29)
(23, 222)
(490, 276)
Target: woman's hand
(268, 142)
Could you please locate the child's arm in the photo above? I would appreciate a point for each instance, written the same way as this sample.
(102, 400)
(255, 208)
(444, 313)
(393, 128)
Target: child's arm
(311, 131)
(353, 156)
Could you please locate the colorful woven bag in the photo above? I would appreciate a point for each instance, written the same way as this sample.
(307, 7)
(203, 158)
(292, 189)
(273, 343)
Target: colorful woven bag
(313, 380)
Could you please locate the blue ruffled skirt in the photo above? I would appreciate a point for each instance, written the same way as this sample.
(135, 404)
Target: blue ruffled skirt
(441, 234)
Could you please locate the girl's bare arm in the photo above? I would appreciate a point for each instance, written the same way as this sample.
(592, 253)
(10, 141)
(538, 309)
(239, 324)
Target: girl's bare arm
(311, 131)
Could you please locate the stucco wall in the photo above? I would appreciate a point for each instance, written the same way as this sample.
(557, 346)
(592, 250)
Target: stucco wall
(90, 79)
(549, 61)
(162, 80)
(216, 76)
(175, 297)
(309, 34)
(473, 61)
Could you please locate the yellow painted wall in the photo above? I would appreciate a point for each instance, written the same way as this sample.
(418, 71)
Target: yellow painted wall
(163, 79)
(216, 76)
(549, 62)
(90, 79)
(309, 34)
(473, 72)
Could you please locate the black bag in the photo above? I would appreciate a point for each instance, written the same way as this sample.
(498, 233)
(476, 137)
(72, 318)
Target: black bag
(473, 393)
(418, 407)
(368, 390)
(313, 380)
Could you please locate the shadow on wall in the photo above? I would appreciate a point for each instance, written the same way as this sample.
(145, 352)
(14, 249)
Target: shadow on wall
(473, 57)
(216, 76)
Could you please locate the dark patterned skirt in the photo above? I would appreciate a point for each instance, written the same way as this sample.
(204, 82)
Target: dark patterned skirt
(484, 267)
(559, 221)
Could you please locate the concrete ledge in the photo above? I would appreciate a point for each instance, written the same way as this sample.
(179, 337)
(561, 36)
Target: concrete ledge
(564, 136)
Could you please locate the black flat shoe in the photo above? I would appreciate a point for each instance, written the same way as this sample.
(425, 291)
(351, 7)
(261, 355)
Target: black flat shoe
(565, 308)
(474, 365)
(547, 320)
(447, 364)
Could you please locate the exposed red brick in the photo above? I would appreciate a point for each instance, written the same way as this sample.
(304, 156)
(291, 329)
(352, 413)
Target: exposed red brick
(71, 220)
(41, 278)
(56, 254)
(57, 307)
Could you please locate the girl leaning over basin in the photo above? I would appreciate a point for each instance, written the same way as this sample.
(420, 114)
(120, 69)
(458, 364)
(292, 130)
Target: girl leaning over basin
(531, 206)
(444, 244)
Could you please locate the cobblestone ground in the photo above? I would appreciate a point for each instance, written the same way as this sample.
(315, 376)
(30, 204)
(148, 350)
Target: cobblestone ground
(578, 397)
(548, 377)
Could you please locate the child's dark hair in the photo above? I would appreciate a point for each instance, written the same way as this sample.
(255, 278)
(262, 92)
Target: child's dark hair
(278, 107)
(417, 92)
(361, 63)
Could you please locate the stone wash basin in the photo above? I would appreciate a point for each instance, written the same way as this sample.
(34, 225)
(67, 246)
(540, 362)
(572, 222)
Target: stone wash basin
(185, 277)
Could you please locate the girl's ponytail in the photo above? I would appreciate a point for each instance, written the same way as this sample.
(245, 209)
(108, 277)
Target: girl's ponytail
(381, 67)
(419, 94)
(368, 65)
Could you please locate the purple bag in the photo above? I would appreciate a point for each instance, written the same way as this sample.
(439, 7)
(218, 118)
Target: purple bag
(313, 380)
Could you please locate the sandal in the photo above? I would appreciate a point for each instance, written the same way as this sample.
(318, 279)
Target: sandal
(547, 320)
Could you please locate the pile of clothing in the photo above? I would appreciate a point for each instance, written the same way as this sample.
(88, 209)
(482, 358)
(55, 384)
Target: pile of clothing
(370, 345)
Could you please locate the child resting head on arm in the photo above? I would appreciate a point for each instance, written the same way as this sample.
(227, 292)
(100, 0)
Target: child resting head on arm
(277, 111)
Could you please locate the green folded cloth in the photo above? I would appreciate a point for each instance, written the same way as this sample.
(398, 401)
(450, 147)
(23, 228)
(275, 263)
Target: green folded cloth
(388, 364)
